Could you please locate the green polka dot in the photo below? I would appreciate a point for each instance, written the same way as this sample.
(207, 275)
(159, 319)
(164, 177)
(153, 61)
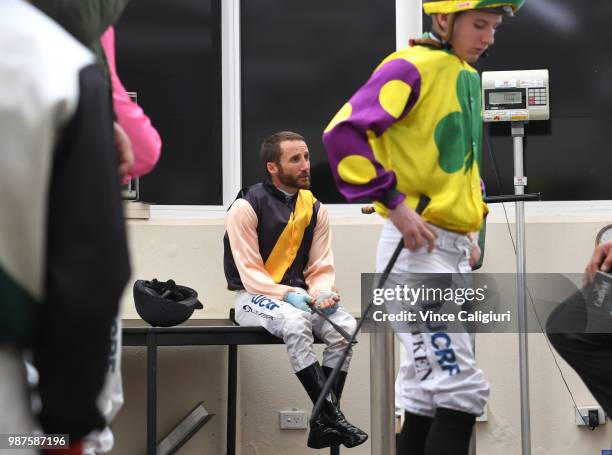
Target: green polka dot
(458, 135)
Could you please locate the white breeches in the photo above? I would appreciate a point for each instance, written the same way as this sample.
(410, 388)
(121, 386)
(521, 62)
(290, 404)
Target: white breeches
(439, 369)
(296, 328)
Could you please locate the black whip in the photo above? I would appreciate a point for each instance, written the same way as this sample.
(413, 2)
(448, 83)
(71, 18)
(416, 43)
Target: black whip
(331, 380)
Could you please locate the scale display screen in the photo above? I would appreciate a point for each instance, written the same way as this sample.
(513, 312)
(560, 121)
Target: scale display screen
(505, 99)
(499, 98)
(515, 96)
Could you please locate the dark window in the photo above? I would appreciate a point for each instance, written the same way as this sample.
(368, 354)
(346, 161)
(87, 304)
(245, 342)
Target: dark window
(568, 157)
(169, 53)
(301, 61)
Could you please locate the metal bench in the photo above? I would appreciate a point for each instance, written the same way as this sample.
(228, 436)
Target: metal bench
(207, 332)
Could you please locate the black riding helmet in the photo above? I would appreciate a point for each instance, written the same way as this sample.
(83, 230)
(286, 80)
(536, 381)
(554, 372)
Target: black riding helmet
(164, 304)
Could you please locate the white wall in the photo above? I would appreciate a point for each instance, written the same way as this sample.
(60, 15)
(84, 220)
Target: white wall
(190, 251)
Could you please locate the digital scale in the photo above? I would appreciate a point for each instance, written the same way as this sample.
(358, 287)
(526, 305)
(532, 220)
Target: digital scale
(515, 96)
(518, 97)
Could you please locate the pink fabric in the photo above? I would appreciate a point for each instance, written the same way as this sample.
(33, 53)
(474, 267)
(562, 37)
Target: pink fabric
(146, 142)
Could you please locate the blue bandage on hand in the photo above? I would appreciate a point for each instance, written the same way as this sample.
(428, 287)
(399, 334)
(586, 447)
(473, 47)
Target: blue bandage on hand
(323, 295)
(298, 300)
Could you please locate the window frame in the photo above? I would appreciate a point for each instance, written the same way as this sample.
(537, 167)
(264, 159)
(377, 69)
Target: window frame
(408, 22)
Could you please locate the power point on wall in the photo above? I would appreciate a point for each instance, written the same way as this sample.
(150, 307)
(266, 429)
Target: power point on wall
(590, 416)
(293, 420)
(593, 418)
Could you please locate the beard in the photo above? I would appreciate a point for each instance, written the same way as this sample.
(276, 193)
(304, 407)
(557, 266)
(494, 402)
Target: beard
(300, 181)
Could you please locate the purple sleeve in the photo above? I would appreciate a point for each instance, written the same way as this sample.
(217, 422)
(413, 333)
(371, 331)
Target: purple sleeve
(357, 172)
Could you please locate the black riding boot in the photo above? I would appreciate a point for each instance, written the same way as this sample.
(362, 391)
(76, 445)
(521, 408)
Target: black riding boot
(359, 436)
(330, 415)
(322, 432)
(340, 380)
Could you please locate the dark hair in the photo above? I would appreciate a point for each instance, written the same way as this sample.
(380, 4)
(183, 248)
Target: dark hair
(270, 150)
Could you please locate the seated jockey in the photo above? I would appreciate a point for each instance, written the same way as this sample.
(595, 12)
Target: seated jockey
(278, 258)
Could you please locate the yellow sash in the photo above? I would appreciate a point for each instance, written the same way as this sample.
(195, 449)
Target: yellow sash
(285, 250)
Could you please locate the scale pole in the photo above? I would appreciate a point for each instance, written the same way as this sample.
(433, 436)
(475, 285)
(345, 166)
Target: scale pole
(518, 132)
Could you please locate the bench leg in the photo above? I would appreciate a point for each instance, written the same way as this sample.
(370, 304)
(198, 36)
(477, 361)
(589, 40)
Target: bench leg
(151, 394)
(232, 379)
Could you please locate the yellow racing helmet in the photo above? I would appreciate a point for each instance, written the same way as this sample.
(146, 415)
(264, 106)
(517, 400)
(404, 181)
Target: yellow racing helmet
(505, 7)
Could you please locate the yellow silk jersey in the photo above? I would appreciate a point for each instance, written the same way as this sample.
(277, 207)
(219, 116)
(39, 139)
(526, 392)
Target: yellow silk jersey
(413, 130)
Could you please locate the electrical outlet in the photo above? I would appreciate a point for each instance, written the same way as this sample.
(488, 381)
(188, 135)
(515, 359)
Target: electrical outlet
(582, 415)
(293, 419)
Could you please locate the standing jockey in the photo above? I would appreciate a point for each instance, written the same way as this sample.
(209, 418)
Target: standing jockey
(410, 139)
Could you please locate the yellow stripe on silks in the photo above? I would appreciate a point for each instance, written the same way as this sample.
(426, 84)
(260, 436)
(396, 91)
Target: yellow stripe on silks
(285, 250)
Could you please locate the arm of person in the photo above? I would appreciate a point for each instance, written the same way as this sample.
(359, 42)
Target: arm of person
(125, 153)
(145, 140)
(387, 97)
(241, 226)
(320, 273)
(600, 261)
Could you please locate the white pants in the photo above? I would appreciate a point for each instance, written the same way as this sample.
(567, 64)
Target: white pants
(15, 413)
(439, 370)
(110, 398)
(296, 328)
